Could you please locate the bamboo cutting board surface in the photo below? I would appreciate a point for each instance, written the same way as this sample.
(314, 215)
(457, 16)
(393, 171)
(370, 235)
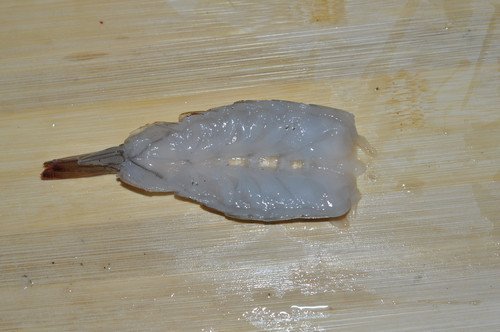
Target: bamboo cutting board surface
(421, 252)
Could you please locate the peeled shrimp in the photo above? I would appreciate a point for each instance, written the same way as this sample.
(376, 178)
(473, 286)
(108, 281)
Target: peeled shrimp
(263, 160)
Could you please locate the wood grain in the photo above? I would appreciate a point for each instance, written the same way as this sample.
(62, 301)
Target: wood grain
(420, 253)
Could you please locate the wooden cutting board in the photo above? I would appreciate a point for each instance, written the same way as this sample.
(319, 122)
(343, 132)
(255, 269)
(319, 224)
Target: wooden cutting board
(421, 252)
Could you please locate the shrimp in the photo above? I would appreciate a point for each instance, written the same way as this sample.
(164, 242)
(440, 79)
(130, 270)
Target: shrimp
(267, 160)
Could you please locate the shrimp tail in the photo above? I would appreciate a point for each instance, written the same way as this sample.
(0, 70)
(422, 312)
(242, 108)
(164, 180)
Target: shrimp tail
(107, 161)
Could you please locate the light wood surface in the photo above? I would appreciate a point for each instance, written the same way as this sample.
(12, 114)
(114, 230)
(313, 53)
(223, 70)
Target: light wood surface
(420, 253)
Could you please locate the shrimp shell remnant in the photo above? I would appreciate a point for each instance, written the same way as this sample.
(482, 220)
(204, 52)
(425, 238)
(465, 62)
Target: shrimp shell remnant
(266, 160)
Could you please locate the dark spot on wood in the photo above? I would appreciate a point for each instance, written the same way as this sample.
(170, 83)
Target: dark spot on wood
(101, 22)
(30, 282)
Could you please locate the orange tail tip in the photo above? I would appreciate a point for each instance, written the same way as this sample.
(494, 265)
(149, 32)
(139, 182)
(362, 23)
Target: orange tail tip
(91, 164)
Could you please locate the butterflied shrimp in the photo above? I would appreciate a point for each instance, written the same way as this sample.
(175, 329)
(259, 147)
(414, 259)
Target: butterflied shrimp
(263, 160)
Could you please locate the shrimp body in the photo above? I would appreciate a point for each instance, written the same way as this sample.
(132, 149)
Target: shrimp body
(254, 160)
